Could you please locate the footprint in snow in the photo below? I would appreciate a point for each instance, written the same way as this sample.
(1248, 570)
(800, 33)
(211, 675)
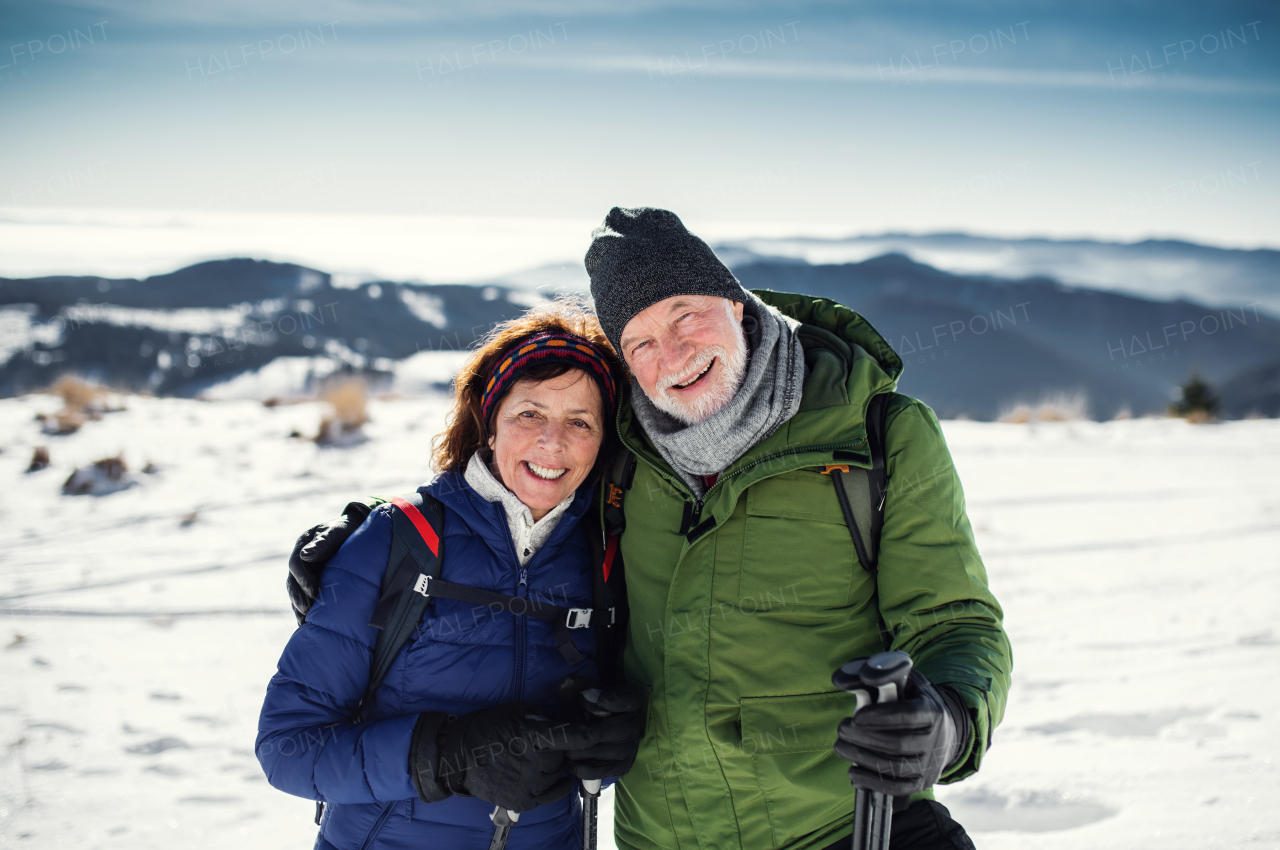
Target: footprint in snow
(164, 770)
(1259, 639)
(56, 727)
(204, 718)
(1142, 725)
(52, 765)
(151, 748)
(981, 810)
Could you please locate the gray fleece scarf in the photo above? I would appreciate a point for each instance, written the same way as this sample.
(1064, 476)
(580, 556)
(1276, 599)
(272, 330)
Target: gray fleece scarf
(769, 396)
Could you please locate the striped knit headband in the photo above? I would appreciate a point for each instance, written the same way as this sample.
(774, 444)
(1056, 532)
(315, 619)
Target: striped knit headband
(543, 348)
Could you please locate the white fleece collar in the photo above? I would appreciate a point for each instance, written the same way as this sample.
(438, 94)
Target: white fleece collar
(526, 535)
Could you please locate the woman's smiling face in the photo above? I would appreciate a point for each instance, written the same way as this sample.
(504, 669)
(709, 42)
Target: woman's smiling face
(546, 435)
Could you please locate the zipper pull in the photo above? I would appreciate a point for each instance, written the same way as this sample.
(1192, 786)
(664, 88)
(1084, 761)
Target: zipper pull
(692, 512)
(698, 528)
(524, 577)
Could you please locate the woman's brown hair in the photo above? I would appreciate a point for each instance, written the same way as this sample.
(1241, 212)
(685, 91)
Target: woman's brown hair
(466, 432)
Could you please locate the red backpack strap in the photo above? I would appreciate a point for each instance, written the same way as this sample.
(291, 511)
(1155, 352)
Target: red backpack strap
(420, 523)
(417, 529)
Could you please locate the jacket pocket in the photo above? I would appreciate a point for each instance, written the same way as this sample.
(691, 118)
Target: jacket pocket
(797, 547)
(789, 739)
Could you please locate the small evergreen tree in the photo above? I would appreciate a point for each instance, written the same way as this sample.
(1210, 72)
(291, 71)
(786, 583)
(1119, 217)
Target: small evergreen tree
(1198, 398)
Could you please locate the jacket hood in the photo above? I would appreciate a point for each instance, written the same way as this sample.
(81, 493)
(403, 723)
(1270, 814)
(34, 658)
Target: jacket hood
(846, 325)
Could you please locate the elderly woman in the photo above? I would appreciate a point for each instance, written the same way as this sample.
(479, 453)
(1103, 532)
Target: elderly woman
(470, 714)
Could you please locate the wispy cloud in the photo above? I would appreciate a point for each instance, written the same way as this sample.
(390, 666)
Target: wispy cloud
(374, 13)
(677, 67)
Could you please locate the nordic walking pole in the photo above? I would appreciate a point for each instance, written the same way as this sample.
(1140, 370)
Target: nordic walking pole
(591, 787)
(503, 820)
(588, 693)
(880, 678)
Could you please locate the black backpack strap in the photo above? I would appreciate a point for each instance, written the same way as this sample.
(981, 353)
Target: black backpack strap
(609, 596)
(608, 582)
(417, 529)
(622, 471)
(861, 492)
(878, 476)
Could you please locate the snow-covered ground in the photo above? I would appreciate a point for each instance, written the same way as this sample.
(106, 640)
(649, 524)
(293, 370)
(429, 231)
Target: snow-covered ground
(1136, 560)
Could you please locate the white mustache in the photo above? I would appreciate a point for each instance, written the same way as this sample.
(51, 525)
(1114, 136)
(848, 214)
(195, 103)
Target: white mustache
(699, 365)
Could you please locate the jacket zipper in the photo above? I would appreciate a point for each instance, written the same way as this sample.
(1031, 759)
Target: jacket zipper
(696, 514)
(683, 488)
(523, 592)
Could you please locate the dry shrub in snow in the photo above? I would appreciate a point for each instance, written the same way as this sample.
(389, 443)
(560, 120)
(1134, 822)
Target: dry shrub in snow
(1062, 407)
(39, 459)
(99, 478)
(347, 400)
(81, 403)
(1199, 402)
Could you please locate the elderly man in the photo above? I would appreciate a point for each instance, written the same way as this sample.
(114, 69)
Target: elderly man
(745, 585)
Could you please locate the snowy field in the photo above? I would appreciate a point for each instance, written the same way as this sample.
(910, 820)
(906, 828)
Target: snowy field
(1137, 563)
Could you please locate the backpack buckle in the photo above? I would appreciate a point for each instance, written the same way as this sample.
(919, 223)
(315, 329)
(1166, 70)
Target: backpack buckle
(423, 585)
(578, 618)
(841, 467)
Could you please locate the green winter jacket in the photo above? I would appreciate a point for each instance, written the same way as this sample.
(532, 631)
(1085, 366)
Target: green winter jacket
(736, 627)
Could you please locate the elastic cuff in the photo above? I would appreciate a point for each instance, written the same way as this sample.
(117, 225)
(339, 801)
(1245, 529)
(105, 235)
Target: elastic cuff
(424, 755)
(964, 727)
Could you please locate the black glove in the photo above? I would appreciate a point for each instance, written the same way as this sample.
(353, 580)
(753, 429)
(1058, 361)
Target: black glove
(511, 755)
(313, 550)
(618, 718)
(902, 747)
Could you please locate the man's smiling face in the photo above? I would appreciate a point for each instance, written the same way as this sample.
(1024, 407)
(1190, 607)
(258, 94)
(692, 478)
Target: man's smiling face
(688, 353)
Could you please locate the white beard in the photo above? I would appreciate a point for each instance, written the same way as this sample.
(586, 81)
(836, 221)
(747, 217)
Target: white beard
(725, 381)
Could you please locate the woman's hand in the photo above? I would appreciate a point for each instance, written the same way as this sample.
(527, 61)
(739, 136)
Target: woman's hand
(617, 723)
(510, 755)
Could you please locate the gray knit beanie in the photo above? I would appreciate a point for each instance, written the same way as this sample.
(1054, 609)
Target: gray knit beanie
(640, 256)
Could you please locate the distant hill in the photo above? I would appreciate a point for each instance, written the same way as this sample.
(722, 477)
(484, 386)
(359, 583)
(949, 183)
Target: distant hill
(180, 333)
(1254, 392)
(1162, 269)
(974, 345)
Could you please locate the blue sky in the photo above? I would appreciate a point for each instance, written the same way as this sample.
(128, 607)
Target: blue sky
(1105, 119)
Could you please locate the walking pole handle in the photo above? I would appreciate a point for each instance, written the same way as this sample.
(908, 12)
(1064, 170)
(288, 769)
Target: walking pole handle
(591, 705)
(887, 672)
(880, 678)
(503, 820)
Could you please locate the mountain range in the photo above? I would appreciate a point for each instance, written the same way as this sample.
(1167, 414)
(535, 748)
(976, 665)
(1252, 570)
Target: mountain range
(974, 344)
(1162, 269)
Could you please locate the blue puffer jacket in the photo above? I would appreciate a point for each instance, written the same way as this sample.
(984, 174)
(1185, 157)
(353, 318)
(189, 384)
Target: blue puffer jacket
(461, 658)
